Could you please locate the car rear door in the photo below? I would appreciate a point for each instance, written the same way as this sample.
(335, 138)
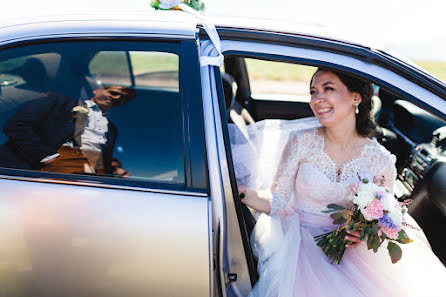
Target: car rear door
(110, 235)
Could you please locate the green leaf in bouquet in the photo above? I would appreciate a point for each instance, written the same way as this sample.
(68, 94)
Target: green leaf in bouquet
(374, 228)
(339, 221)
(395, 252)
(370, 241)
(376, 244)
(336, 216)
(329, 211)
(363, 234)
(403, 238)
(368, 229)
(335, 206)
(361, 218)
(350, 226)
(383, 237)
(356, 228)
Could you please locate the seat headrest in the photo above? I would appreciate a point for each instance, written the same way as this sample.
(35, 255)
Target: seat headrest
(38, 70)
(34, 73)
(229, 87)
(376, 109)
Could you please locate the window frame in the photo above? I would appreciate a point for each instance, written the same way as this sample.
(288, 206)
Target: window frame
(195, 162)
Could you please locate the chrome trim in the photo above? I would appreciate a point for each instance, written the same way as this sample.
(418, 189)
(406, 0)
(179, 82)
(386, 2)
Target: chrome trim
(216, 187)
(104, 186)
(211, 234)
(232, 253)
(90, 35)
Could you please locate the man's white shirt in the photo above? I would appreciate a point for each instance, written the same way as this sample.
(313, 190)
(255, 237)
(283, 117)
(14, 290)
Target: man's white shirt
(93, 136)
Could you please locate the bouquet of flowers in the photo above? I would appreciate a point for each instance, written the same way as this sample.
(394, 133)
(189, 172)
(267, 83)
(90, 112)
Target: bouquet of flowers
(377, 215)
(168, 4)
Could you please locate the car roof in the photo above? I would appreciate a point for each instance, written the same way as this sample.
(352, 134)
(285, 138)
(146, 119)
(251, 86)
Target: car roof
(83, 16)
(173, 24)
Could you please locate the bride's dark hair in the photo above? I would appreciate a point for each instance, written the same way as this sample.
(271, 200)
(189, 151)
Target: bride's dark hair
(365, 125)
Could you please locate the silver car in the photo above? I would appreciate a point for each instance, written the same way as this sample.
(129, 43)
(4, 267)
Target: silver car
(173, 225)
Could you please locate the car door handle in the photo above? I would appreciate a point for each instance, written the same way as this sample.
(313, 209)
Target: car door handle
(229, 277)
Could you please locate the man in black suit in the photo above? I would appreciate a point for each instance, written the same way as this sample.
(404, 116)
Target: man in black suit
(59, 134)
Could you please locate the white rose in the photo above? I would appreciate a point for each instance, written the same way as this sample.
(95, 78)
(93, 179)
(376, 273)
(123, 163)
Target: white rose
(168, 4)
(365, 194)
(388, 201)
(80, 110)
(396, 216)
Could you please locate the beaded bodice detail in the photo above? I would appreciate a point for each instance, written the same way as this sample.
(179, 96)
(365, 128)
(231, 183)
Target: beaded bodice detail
(308, 179)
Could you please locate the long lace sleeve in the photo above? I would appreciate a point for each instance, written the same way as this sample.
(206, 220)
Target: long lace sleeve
(389, 173)
(285, 177)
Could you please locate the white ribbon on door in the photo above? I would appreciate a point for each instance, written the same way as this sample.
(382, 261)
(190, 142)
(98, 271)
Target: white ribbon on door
(209, 27)
(213, 35)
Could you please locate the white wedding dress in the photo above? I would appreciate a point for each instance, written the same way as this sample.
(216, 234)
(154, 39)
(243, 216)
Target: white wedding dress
(306, 181)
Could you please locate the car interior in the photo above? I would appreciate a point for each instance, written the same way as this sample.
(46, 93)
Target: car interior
(75, 71)
(414, 135)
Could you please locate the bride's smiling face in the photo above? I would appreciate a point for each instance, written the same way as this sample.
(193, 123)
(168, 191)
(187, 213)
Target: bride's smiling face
(331, 100)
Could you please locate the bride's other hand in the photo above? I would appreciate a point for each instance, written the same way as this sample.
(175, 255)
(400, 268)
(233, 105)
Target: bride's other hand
(251, 198)
(353, 237)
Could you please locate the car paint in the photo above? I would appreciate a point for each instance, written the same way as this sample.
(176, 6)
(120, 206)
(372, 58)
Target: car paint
(85, 236)
(59, 237)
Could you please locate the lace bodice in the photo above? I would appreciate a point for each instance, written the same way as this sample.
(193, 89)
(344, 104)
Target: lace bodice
(307, 177)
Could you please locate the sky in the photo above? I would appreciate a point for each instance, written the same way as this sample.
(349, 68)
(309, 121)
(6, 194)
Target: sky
(414, 29)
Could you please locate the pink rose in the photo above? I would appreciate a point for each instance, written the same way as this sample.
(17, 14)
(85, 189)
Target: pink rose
(390, 232)
(373, 211)
(353, 188)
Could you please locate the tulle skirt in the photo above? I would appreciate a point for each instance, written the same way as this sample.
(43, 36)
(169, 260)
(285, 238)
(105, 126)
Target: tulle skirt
(291, 264)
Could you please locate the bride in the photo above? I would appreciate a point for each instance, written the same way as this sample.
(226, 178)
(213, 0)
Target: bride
(315, 169)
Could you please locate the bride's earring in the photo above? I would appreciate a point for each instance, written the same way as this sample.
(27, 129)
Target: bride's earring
(357, 109)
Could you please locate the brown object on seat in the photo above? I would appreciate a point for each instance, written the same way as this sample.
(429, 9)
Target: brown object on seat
(73, 160)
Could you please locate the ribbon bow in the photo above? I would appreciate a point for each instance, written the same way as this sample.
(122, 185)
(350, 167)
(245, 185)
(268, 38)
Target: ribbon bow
(209, 27)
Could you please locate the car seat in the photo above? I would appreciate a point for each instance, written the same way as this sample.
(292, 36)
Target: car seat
(51, 72)
(236, 113)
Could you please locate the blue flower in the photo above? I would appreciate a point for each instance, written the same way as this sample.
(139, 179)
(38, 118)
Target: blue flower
(387, 222)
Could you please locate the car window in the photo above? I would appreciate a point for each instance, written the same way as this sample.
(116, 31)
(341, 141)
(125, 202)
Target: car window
(63, 101)
(268, 79)
(111, 67)
(146, 69)
(155, 70)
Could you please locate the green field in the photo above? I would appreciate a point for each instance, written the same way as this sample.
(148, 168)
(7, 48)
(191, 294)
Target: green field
(115, 62)
(438, 69)
(259, 69)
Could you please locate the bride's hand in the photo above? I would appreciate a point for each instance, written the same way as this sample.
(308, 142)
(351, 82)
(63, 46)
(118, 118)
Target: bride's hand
(353, 237)
(251, 198)
(246, 195)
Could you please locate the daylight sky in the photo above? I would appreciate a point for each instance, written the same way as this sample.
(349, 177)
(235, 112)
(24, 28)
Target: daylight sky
(412, 28)
(415, 29)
